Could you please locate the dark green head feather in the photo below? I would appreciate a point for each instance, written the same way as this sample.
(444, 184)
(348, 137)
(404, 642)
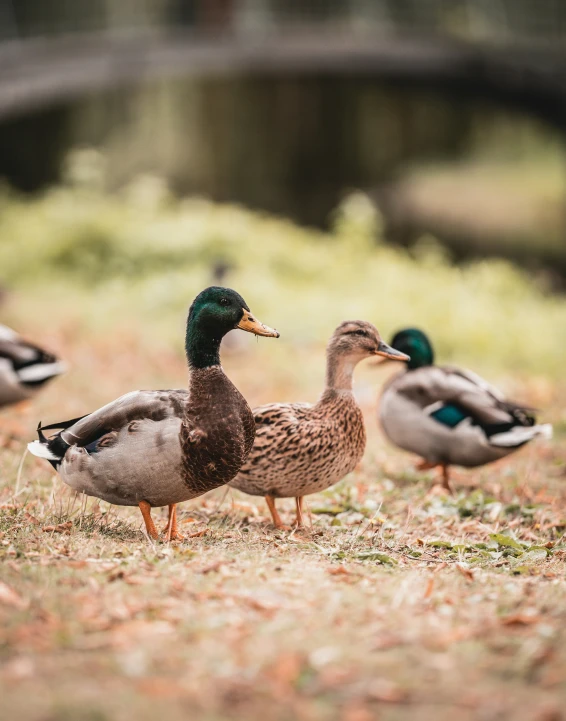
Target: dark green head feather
(214, 312)
(416, 344)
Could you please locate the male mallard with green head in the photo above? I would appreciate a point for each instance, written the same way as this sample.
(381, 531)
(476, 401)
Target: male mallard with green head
(302, 448)
(24, 368)
(158, 448)
(450, 416)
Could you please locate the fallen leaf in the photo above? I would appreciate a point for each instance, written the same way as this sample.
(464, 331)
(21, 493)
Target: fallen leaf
(429, 588)
(340, 571)
(506, 541)
(60, 528)
(137, 580)
(198, 534)
(286, 670)
(31, 519)
(115, 575)
(466, 572)
(9, 597)
(258, 605)
(520, 619)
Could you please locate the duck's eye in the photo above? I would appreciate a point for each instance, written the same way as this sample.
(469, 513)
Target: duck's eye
(224, 301)
(360, 332)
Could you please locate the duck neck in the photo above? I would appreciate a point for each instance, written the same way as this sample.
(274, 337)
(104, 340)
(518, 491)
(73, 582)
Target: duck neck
(340, 372)
(202, 346)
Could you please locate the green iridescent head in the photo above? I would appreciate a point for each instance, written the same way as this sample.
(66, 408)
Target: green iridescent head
(214, 312)
(416, 344)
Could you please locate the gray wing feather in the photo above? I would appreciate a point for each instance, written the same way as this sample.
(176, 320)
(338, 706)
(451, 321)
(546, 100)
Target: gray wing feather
(448, 385)
(137, 405)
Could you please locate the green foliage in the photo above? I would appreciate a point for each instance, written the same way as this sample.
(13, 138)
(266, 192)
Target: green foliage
(142, 253)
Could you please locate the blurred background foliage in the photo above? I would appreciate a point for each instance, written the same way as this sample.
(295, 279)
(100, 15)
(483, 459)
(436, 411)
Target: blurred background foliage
(139, 254)
(405, 165)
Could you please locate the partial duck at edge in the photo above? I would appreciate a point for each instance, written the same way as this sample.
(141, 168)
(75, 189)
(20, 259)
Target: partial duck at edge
(24, 368)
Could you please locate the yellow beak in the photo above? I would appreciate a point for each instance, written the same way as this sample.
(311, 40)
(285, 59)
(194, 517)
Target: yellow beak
(252, 325)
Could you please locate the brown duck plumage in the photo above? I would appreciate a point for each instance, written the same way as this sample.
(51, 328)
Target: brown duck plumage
(301, 448)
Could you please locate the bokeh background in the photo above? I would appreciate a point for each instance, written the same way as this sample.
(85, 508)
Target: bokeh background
(398, 161)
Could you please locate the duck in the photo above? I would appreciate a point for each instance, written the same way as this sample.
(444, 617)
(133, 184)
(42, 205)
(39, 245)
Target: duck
(448, 415)
(303, 448)
(153, 448)
(25, 368)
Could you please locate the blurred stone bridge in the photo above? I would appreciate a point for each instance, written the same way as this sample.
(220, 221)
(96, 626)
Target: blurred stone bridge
(52, 51)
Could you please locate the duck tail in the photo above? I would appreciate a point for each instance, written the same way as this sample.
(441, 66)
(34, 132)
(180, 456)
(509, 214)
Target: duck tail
(519, 435)
(43, 448)
(39, 373)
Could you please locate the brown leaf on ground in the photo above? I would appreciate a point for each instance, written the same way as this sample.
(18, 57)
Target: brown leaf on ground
(137, 580)
(466, 572)
(338, 571)
(198, 534)
(31, 519)
(429, 588)
(60, 528)
(116, 574)
(285, 671)
(520, 619)
(10, 597)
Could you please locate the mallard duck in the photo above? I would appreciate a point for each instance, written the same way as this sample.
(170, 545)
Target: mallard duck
(302, 448)
(449, 416)
(24, 368)
(158, 448)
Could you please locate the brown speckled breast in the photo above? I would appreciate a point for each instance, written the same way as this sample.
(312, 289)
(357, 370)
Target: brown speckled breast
(301, 448)
(217, 432)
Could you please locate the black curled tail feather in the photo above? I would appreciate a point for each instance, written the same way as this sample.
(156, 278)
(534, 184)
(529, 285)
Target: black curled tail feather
(56, 445)
(41, 435)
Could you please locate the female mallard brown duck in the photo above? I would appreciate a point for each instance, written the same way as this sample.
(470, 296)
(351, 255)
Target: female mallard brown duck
(450, 416)
(24, 368)
(302, 448)
(158, 448)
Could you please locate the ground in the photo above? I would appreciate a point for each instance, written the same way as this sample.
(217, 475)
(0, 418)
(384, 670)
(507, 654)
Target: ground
(397, 602)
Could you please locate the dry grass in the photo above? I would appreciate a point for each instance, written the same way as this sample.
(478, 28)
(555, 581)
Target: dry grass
(397, 602)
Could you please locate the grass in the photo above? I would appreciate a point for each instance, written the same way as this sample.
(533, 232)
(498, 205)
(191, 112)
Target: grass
(396, 602)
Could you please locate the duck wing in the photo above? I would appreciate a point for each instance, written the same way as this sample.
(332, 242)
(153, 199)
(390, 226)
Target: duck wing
(450, 395)
(278, 423)
(86, 431)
